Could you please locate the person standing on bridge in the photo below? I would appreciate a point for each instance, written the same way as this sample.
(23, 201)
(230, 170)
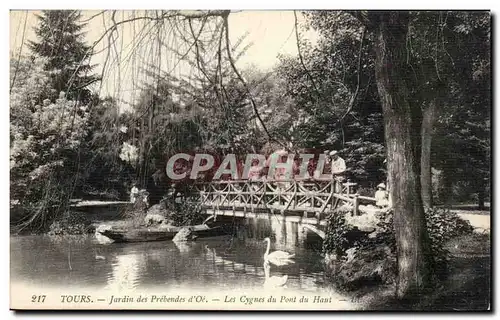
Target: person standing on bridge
(327, 156)
(338, 170)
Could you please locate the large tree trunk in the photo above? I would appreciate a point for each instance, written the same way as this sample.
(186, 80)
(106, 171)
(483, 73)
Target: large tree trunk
(428, 116)
(402, 123)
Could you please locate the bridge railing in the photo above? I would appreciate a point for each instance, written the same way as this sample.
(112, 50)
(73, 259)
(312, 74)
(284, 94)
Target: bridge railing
(304, 196)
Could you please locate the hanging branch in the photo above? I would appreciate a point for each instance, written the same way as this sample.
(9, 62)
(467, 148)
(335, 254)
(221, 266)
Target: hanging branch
(233, 66)
(200, 66)
(436, 47)
(220, 76)
(196, 39)
(187, 15)
(93, 16)
(355, 94)
(19, 55)
(300, 55)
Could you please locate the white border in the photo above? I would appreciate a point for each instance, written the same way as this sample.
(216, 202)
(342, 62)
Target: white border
(190, 4)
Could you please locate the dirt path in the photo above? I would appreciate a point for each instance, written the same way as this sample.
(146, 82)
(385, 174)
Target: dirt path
(480, 222)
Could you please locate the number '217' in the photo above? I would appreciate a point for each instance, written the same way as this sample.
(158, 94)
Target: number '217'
(38, 298)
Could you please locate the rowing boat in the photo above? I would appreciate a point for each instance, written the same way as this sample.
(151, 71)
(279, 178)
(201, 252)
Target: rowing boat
(143, 234)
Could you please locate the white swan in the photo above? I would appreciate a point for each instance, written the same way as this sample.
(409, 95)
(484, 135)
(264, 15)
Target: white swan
(279, 258)
(274, 281)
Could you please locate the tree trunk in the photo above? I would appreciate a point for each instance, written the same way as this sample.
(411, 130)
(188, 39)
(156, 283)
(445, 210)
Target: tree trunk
(481, 193)
(425, 162)
(447, 187)
(402, 120)
(481, 197)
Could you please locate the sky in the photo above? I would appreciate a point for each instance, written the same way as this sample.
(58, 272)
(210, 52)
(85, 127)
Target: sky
(269, 33)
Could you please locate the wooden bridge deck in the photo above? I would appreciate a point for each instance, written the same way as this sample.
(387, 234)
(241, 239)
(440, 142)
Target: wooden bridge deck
(290, 198)
(297, 201)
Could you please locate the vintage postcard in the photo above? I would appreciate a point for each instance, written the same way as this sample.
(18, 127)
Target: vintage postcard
(250, 160)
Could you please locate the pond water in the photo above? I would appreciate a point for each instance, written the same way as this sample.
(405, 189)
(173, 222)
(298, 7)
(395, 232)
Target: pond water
(229, 262)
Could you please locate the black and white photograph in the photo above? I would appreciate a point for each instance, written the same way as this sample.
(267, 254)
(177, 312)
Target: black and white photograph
(333, 160)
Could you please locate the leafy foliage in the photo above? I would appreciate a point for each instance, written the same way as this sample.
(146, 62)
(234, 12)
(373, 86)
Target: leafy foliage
(449, 55)
(451, 51)
(444, 225)
(45, 140)
(378, 251)
(337, 231)
(71, 223)
(103, 173)
(334, 98)
(187, 214)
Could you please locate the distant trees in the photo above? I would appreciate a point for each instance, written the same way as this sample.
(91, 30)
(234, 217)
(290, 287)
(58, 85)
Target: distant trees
(451, 68)
(103, 173)
(61, 42)
(160, 125)
(463, 122)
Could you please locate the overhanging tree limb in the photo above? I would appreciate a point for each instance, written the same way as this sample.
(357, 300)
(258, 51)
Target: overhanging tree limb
(301, 59)
(19, 55)
(200, 65)
(233, 66)
(355, 94)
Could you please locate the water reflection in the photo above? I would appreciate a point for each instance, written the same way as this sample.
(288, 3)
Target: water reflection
(220, 262)
(278, 225)
(126, 272)
(183, 246)
(271, 282)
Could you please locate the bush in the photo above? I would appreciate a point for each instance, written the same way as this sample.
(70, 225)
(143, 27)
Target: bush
(71, 223)
(442, 226)
(45, 139)
(336, 240)
(187, 214)
(361, 258)
(446, 224)
(176, 214)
